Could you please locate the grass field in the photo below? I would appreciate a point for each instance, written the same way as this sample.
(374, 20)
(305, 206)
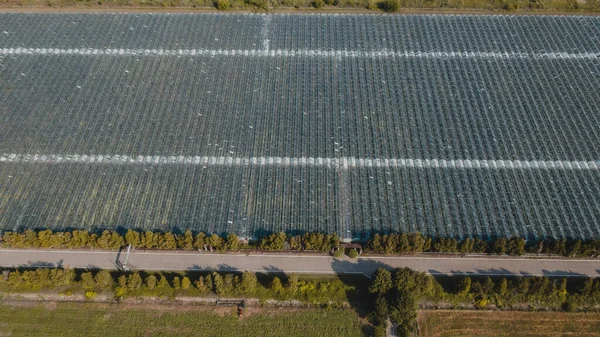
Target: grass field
(87, 319)
(446, 323)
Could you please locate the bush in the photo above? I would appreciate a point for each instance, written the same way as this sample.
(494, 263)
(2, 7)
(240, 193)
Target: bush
(353, 253)
(90, 295)
(569, 306)
(259, 4)
(318, 4)
(222, 5)
(389, 6)
(338, 252)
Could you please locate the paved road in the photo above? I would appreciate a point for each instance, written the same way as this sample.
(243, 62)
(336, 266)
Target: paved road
(302, 264)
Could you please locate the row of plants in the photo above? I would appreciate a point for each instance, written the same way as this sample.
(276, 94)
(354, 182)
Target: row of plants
(320, 242)
(399, 293)
(119, 285)
(395, 294)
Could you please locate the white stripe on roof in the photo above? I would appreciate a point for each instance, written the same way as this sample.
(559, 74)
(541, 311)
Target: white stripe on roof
(300, 53)
(342, 162)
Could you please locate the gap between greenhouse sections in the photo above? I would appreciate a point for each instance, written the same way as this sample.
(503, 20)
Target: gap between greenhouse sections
(301, 53)
(334, 163)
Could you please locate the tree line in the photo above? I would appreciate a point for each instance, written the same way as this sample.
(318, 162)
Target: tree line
(395, 243)
(400, 292)
(123, 284)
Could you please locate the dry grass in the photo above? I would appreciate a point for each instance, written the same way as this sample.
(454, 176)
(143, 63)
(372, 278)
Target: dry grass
(446, 323)
(93, 319)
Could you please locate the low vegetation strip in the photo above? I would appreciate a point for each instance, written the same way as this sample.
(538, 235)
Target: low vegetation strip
(325, 5)
(450, 323)
(73, 319)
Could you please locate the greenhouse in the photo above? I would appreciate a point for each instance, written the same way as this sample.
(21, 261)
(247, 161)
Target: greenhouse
(454, 125)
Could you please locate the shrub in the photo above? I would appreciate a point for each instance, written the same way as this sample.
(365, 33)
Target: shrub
(389, 6)
(90, 295)
(103, 279)
(151, 282)
(222, 5)
(318, 4)
(185, 283)
(569, 306)
(259, 4)
(353, 253)
(338, 252)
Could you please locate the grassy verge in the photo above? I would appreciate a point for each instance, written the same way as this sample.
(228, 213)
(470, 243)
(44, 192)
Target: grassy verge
(73, 319)
(323, 5)
(447, 323)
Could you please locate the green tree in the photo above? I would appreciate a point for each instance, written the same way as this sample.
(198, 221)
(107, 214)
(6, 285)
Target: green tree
(79, 239)
(134, 281)
(479, 246)
(417, 242)
(151, 282)
(389, 5)
(377, 244)
(404, 311)
(200, 240)
(87, 281)
(133, 238)
(62, 277)
(45, 238)
(222, 5)
(176, 283)
(276, 285)
(499, 246)
(382, 282)
(229, 283)
(163, 283)
(200, 284)
(516, 246)
(169, 242)
(466, 246)
(186, 241)
(292, 284)
(296, 242)
(390, 244)
(218, 286)
(463, 286)
(574, 248)
(14, 279)
(103, 279)
(185, 283)
(502, 287)
(122, 280)
(233, 241)
(404, 243)
(208, 281)
(216, 242)
(274, 241)
(381, 310)
(249, 283)
(148, 240)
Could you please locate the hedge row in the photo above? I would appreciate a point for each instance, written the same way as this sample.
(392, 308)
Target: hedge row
(121, 285)
(384, 244)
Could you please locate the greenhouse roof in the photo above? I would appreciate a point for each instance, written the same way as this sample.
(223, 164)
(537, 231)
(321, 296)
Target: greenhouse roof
(450, 125)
